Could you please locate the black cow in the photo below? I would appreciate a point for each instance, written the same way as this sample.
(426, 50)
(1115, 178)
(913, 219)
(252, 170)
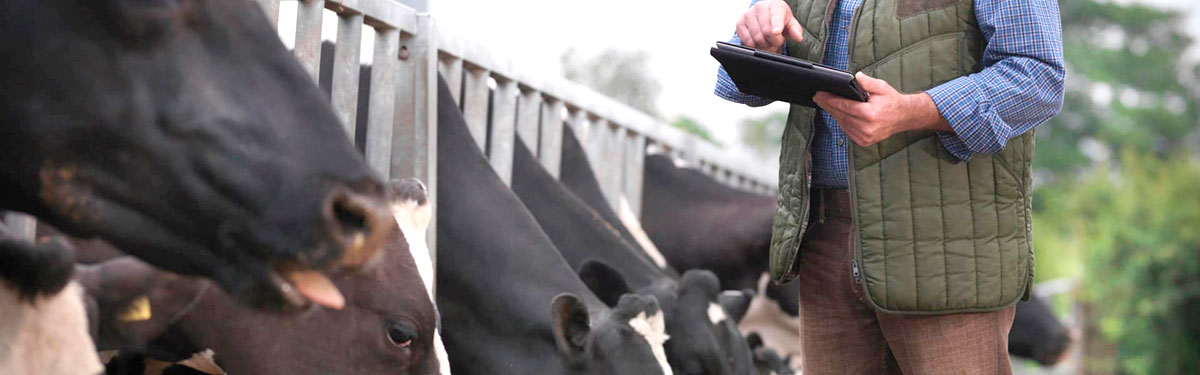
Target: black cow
(1037, 333)
(703, 339)
(509, 301)
(388, 326)
(577, 175)
(186, 133)
(699, 223)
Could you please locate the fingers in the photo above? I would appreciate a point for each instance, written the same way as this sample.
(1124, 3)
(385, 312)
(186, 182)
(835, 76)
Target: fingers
(756, 32)
(793, 30)
(784, 24)
(768, 25)
(873, 85)
(835, 104)
(776, 11)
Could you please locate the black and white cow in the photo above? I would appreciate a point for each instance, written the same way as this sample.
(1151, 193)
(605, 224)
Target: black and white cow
(389, 324)
(510, 303)
(186, 132)
(704, 340)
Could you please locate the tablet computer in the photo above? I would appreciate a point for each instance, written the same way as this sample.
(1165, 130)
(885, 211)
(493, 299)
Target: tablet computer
(786, 78)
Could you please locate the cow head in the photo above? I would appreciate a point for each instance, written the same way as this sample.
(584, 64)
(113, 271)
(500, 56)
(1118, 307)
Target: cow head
(1037, 333)
(185, 133)
(714, 330)
(389, 323)
(626, 339)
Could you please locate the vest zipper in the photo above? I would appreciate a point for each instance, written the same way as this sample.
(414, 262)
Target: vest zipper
(808, 157)
(850, 161)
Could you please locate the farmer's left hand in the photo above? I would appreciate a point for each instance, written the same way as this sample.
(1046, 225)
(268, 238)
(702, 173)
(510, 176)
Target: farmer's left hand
(887, 112)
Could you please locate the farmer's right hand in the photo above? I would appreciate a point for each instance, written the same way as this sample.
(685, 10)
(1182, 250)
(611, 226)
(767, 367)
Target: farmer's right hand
(766, 25)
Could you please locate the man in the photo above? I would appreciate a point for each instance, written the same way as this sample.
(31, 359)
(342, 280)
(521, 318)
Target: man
(912, 241)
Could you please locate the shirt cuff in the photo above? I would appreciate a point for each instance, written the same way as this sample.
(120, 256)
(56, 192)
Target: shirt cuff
(960, 105)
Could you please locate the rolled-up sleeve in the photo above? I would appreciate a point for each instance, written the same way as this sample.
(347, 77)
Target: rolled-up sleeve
(1020, 86)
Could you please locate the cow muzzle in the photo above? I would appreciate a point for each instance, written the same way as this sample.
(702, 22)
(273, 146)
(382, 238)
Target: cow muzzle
(358, 225)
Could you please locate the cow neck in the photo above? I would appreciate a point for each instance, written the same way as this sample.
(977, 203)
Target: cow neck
(487, 239)
(578, 231)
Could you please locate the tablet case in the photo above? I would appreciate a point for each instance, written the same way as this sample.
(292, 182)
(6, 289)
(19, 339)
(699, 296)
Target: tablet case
(784, 78)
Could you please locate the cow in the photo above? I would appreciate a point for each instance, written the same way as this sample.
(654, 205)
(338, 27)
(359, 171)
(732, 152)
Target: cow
(700, 223)
(184, 132)
(1038, 334)
(511, 304)
(704, 340)
(389, 324)
(578, 176)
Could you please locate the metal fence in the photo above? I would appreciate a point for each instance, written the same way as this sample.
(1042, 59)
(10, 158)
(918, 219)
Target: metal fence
(409, 52)
(500, 102)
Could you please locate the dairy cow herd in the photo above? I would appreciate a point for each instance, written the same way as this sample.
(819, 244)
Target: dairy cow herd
(203, 212)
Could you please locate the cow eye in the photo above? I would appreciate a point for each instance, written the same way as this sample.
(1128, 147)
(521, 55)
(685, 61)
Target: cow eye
(400, 335)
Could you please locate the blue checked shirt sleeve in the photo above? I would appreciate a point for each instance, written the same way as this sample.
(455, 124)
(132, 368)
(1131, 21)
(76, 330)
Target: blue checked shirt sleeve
(727, 90)
(1021, 85)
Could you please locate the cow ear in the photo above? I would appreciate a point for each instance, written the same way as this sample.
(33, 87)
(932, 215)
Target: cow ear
(754, 341)
(736, 303)
(571, 325)
(604, 281)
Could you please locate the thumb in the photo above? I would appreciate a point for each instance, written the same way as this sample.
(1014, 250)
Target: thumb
(793, 30)
(873, 85)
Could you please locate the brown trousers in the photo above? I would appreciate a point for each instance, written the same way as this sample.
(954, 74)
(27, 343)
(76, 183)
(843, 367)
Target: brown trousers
(841, 334)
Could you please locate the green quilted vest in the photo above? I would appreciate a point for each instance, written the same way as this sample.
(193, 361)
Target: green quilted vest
(934, 234)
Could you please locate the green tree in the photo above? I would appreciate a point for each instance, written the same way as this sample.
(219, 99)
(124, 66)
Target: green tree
(619, 74)
(765, 134)
(1143, 280)
(1128, 86)
(690, 125)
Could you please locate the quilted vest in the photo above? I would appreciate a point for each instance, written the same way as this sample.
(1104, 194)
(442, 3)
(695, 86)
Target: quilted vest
(933, 234)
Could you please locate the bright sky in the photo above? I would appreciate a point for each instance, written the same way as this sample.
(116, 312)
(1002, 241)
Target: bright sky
(677, 34)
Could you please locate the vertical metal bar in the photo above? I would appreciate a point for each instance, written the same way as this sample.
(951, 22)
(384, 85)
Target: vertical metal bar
(382, 101)
(308, 36)
(550, 153)
(593, 147)
(414, 135)
(529, 107)
(21, 225)
(271, 9)
(635, 161)
(344, 94)
(579, 122)
(451, 68)
(504, 121)
(475, 103)
(614, 155)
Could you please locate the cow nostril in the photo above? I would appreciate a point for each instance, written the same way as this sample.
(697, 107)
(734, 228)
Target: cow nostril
(351, 222)
(359, 225)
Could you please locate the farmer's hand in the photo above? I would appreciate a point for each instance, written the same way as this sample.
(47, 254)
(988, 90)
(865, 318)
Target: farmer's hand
(766, 25)
(886, 113)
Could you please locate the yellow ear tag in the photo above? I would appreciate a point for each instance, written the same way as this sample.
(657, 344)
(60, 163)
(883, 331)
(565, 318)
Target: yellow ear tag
(138, 310)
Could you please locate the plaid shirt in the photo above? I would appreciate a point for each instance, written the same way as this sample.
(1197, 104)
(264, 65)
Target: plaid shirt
(1020, 87)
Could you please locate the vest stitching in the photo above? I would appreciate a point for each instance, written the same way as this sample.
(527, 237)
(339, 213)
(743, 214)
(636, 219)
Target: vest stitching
(999, 246)
(883, 227)
(912, 214)
(974, 231)
(941, 193)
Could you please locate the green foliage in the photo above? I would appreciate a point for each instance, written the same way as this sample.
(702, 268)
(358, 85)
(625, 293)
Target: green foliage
(619, 74)
(1137, 225)
(765, 134)
(691, 126)
(1128, 87)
